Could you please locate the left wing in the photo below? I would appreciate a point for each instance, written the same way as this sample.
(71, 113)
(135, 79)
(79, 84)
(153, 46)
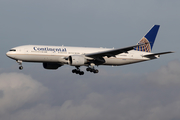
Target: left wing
(112, 53)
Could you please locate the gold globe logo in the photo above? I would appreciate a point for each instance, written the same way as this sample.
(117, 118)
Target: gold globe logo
(146, 47)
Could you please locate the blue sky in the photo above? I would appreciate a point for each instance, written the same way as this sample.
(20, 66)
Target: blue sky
(146, 90)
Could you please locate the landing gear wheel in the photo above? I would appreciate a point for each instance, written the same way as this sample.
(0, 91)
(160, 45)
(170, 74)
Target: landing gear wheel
(78, 71)
(96, 71)
(74, 71)
(20, 67)
(92, 70)
(81, 73)
(88, 69)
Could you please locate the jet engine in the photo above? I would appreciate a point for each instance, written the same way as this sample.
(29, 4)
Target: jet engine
(53, 66)
(77, 60)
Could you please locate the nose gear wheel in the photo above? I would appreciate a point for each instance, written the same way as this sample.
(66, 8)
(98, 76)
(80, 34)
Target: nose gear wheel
(20, 67)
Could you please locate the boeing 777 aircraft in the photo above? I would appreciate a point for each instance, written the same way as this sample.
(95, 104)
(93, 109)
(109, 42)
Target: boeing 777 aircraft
(53, 57)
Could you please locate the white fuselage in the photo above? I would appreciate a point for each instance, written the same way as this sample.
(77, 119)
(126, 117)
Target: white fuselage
(58, 54)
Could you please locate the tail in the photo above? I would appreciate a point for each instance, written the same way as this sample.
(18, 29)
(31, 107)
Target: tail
(149, 38)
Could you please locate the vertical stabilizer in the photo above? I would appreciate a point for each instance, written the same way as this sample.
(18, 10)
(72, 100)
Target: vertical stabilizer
(149, 38)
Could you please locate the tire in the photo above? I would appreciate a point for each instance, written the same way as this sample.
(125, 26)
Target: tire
(81, 73)
(20, 67)
(77, 71)
(88, 69)
(74, 71)
(96, 71)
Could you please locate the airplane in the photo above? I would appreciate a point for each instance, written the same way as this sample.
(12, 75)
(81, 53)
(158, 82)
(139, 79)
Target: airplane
(53, 57)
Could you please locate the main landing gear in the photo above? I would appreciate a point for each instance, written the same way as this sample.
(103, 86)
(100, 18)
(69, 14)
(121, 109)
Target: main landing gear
(20, 63)
(89, 69)
(92, 70)
(78, 71)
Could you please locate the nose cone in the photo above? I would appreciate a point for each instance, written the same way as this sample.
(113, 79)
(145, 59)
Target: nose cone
(8, 54)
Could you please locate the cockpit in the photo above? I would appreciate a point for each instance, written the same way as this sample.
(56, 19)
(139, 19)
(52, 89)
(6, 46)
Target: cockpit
(12, 50)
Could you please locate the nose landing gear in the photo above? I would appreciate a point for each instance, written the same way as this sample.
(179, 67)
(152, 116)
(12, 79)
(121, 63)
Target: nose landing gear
(20, 63)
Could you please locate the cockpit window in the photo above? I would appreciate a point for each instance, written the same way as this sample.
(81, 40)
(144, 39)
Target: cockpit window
(12, 50)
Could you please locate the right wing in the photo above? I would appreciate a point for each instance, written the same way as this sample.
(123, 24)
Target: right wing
(112, 53)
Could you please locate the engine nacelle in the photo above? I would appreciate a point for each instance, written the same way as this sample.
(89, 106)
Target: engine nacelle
(77, 60)
(52, 66)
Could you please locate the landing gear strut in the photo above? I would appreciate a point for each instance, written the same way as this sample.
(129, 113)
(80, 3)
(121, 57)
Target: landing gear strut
(78, 71)
(20, 63)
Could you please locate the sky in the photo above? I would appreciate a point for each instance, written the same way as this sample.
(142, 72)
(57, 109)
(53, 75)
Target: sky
(147, 90)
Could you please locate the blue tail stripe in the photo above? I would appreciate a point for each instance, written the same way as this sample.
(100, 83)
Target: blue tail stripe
(151, 35)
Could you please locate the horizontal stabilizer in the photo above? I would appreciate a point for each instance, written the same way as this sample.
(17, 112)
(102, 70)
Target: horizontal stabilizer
(154, 54)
